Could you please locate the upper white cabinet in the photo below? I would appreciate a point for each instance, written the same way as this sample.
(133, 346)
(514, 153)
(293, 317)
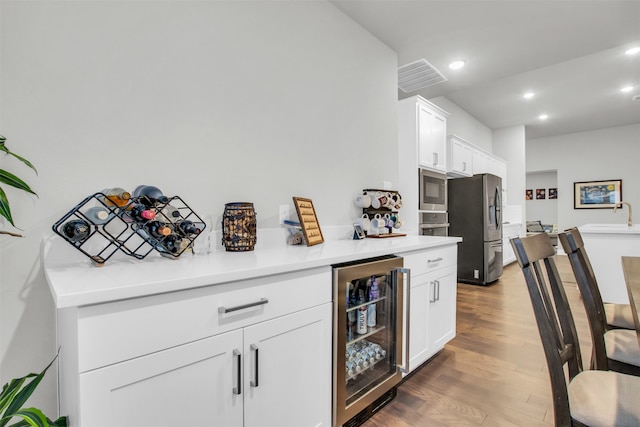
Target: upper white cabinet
(423, 126)
(459, 157)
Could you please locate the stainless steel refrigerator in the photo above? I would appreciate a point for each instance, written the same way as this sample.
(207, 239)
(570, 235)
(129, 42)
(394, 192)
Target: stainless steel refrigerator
(475, 214)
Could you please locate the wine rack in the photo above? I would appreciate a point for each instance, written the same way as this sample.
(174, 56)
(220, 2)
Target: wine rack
(121, 232)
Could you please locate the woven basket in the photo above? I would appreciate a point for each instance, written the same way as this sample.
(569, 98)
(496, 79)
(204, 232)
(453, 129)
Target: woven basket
(239, 227)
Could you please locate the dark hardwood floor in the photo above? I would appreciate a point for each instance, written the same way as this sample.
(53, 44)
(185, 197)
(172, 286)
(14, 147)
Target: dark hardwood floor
(493, 373)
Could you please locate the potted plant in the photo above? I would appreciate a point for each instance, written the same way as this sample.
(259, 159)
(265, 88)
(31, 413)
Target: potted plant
(15, 393)
(12, 180)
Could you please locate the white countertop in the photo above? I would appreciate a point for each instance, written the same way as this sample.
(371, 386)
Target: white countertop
(75, 281)
(610, 229)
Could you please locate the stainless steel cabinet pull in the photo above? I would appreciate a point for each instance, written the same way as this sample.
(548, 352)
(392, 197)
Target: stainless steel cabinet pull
(435, 158)
(432, 291)
(464, 166)
(238, 388)
(434, 260)
(254, 382)
(437, 282)
(223, 309)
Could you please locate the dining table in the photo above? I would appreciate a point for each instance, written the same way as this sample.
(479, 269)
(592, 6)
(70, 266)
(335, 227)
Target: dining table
(631, 270)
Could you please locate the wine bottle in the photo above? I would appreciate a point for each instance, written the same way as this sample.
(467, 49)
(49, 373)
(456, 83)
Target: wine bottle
(374, 294)
(175, 244)
(157, 229)
(116, 197)
(150, 195)
(98, 215)
(76, 230)
(171, 213)
(140, 212)
(187, 227)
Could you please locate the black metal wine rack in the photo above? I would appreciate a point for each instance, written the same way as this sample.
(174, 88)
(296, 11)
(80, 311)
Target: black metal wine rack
(121, 232)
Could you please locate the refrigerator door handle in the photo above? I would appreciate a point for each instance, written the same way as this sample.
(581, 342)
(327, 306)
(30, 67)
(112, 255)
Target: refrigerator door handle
(406, 292)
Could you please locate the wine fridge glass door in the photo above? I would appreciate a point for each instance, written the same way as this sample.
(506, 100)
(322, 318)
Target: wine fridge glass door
(368, 336)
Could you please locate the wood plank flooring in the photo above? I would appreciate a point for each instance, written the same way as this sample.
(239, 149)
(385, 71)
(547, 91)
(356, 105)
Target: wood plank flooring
(493, 373)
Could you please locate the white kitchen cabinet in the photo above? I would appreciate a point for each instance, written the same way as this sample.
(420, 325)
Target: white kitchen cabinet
(431, 315)
(459, 157)
(251, 353)
(509, 231)
(423, 126)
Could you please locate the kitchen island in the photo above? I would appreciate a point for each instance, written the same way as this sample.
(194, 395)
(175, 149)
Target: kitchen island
(606, 244)
(183, 335)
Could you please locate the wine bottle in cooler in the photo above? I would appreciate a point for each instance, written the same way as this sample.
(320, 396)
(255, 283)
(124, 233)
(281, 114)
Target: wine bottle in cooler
(374, 294)
(116, 197)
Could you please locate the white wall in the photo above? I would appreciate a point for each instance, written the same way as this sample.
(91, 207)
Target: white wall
(544, 210)
(465, 125)
(603, 154)
(217, 102)
(509, 144)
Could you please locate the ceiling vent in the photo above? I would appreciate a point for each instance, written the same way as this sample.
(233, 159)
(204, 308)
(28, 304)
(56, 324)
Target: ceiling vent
(418, 75)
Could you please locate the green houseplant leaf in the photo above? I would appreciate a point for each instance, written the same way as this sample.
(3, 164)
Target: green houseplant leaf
(10, 179)
(15, 394)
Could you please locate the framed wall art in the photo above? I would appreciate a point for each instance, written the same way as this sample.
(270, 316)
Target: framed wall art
(528, 194)
(541, 194)
(597, 194)
(553, 193)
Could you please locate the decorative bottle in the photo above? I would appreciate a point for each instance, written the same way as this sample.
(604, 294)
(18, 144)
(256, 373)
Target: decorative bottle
(140, 212)
(98, 215)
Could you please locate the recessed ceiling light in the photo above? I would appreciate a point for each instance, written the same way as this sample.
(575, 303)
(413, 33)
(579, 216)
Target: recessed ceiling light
(633, 50)
(528, 95)
(543, 117)
(626, 89)
(456, 65)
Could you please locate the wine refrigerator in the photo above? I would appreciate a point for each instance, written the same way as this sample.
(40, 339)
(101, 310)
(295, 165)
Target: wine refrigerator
(367, 348)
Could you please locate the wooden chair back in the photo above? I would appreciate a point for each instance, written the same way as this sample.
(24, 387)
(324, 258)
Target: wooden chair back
(553, 317)
(573, 246)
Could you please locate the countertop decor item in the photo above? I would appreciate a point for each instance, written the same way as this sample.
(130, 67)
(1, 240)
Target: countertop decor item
(239, 225)
(308, 220)
(99, 228)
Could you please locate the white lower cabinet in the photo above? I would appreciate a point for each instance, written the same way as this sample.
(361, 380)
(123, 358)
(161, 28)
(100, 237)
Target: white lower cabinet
(432, 302)
(261, 357)
(509, 231)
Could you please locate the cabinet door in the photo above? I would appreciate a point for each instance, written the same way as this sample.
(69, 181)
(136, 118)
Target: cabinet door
(288, 370)
(426, 154)
(442, 311)
(460, 159)
(188, 385)
(439, 141)
(418, 321)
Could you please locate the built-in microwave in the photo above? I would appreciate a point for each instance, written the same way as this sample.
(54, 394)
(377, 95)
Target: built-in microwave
(433, 190)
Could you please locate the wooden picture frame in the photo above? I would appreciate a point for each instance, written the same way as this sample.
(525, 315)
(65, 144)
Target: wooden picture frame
(597, 194)
(308, 221)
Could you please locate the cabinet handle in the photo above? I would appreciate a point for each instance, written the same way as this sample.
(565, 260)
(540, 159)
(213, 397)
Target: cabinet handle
(435, 158)
(432, 293)
(238, 389)
(222, 309)
(464, 166)
(434, 260)
(437, 290)
(254, 383)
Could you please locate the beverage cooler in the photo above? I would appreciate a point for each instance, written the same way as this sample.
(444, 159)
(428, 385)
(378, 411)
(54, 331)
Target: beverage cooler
(367, 347)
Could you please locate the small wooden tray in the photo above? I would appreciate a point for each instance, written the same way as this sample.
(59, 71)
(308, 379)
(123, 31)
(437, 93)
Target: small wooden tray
(308, 221)
(384, 236)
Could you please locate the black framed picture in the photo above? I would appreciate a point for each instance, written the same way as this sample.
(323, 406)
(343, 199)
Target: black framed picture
(597, 194)
(528, 194)
(553, 193)
(541, 193)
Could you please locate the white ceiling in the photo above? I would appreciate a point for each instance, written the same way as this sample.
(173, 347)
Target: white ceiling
(569, 52)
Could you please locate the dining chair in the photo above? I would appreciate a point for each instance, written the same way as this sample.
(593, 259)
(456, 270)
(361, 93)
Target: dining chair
(617, 315)
(612, 349)
(580, 397)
